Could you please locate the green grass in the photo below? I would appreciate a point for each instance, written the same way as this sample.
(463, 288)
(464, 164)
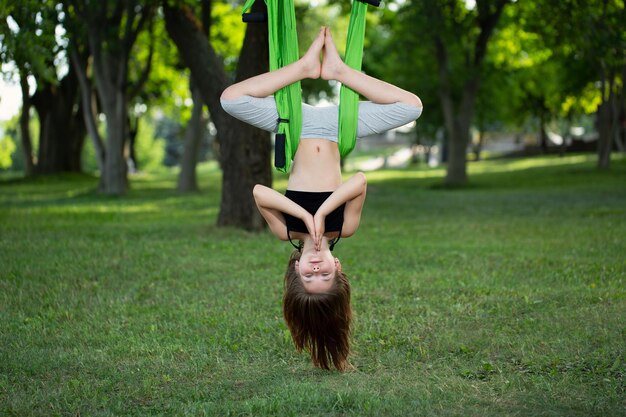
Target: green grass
(506, 298)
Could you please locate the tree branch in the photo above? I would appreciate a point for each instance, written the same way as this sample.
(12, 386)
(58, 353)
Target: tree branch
(146, 13)
(130, 36)
(206, 16)
(487, 22)
(118, 12)
(88, 111)
(137, 86)
(198, 54)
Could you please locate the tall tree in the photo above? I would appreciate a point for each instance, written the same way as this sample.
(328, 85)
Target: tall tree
(589, 35)
(112, 27)
(458, 37)
(523, 82)
(244, 150)
(62, 128)
(32, 45)
(458, 99)
(187, 179)
(404, 59)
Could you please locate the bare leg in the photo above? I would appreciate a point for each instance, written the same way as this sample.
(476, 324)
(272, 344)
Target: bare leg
(264, 85)
(333, 68)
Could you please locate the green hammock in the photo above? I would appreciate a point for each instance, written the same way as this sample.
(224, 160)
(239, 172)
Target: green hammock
(283, 45)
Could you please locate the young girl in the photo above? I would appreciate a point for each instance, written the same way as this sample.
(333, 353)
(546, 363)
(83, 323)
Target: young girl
(318, 208)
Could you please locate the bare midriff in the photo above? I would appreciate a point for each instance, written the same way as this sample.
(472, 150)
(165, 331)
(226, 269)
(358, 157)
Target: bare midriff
(316, 166)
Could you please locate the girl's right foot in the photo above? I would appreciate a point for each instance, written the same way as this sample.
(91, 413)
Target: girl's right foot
(311, 59)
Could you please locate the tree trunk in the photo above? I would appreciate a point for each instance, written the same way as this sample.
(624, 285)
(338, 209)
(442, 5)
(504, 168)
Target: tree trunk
(113, 179)
(620, 135)
(605, 121)
(458, 124)
(245, 151)
(133, 130)
(62, 130)
(543, 137)
(479, 146)
(458, 120)
(187, 180)
(604, 136)
(456, 173)
(111, 34)
(27, 144)
(198, 54)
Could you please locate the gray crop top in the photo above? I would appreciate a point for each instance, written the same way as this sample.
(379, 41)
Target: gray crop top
(322, 122)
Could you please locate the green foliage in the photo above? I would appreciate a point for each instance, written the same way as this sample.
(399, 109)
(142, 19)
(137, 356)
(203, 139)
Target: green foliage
(399, 51)
(503, 299)
(587, 38)
(29, 40)
(7, 148)
(538, 63)
(12, 134)
(167, 86)
(227, 33)
(150, 149)
(88, 157)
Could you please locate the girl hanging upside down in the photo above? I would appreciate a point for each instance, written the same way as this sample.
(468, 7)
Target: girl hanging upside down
(318, 208)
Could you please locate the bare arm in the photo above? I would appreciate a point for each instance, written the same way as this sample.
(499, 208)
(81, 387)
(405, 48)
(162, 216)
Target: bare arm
(272, 205)
(351, 192)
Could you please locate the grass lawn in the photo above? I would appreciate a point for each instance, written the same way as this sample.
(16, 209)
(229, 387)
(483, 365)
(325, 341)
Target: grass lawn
(506, 298)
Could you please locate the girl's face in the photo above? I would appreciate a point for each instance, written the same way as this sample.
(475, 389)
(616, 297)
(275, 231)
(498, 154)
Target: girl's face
(317, 270)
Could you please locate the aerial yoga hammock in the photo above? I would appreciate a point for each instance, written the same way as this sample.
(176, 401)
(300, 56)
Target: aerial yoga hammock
(283, 46)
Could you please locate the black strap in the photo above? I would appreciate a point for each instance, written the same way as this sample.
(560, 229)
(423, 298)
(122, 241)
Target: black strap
(332, 243)
(280, 156)
(254, 17)
(375, 3)
(298, 246)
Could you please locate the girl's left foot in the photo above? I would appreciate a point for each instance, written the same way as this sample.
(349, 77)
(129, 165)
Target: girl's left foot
(332, 65)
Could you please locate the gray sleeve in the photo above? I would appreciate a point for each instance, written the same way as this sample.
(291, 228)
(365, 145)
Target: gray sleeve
(377, 118)
(260, 112)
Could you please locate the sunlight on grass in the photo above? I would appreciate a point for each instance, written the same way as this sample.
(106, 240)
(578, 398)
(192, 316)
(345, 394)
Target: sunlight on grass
(527, 163)
(384, 175)
(481, 167)
(488, 166)
(109, 208)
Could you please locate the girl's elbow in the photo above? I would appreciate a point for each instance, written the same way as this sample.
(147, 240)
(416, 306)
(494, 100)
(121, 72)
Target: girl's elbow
(415, 101)
(258, 193)
(230, 93)
(258, 190)
(361, 178)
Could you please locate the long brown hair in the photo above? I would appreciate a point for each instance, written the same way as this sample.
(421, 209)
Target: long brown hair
(319, 322)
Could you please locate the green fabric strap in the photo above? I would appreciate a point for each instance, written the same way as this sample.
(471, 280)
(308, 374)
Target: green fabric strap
(283, 46)
(348, 98)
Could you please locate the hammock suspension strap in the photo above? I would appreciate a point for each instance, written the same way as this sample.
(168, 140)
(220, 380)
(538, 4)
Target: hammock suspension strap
(283, 46)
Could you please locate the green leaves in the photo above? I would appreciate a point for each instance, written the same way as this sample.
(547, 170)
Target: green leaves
(28, 37)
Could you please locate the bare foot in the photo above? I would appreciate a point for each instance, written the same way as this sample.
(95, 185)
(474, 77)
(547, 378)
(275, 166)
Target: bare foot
(332, 65)
(311, 60)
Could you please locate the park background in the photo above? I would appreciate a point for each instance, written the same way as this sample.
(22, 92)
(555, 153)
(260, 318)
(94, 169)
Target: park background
(136, 276)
